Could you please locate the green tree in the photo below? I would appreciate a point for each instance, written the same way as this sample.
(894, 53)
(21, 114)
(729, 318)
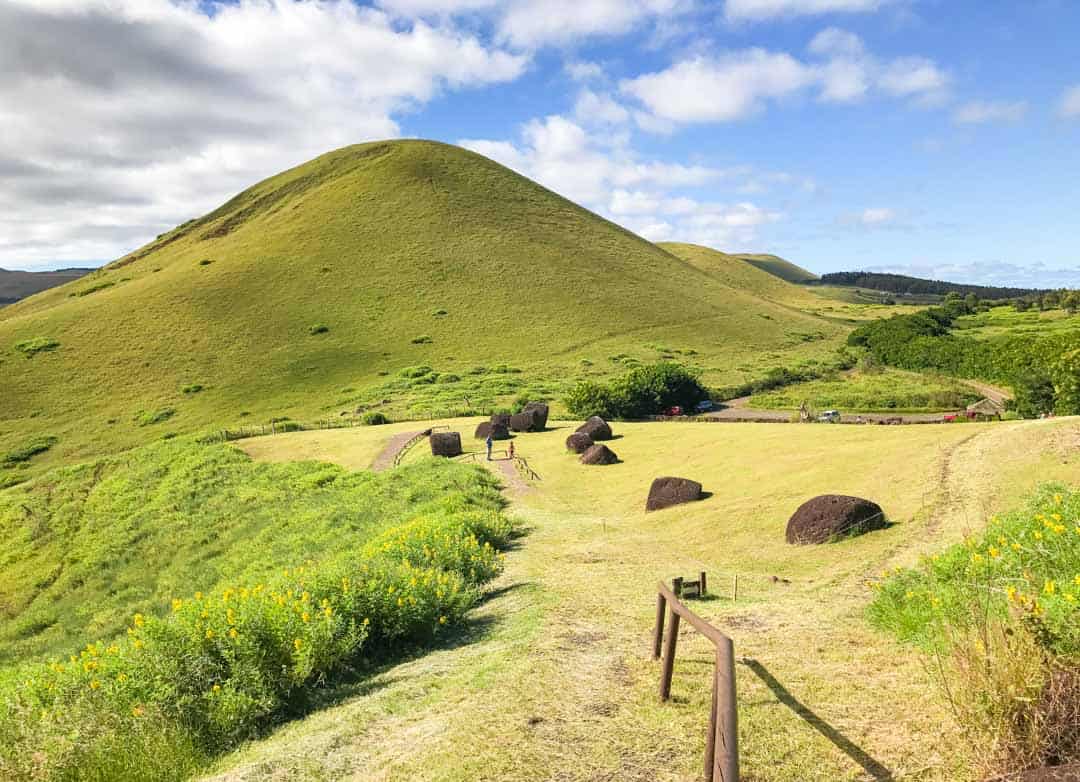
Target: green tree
(1067, 383)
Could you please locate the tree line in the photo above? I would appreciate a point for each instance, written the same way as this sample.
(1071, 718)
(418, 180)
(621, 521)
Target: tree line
(902, 284)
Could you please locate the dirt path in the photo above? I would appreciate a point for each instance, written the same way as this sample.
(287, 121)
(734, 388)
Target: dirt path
(993, 393)
(385, 460)
(510, 475)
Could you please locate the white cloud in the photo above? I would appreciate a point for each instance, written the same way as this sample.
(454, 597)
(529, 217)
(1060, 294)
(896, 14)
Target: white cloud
(707, 90)
(130, 116)
(834, 42)
(874, 219)
(759, 10)
(601, 172)
(585, 71)
(914, 76)
(531, 24)
(981, 112)
(1070, 103)
(592, 108)
(740, 84)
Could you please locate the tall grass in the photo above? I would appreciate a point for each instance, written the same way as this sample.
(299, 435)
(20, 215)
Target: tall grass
(999, 617)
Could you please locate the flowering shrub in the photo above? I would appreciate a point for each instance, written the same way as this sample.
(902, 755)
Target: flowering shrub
(219, 667)
(1024, 569)
(1000, 615)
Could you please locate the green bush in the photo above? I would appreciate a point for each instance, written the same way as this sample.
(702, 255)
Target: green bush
(151, 417)
(194, 388)
(423, 339)
(31, 347)
(374, 418)
(414, 372)
(92, 289)
(29, 450)
(643, 391)
(318, 328)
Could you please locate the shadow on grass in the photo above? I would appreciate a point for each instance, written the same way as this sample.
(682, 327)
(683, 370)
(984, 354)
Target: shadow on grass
(873, 768)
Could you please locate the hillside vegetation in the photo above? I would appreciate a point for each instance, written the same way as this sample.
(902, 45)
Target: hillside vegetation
(187, 598)
(313, 292)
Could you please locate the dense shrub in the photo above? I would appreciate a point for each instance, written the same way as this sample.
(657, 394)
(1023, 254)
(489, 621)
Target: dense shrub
(151, 417)
(31, 347)
(193, 388)
(1032, 364)
(642, 391)
(28, 450)
(1001, 615)
(423, 339)
(100, 286)
(374, 418)
(318, 328)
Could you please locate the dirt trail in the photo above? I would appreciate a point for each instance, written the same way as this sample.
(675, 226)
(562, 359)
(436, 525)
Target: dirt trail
(385, 460)
(993, 393)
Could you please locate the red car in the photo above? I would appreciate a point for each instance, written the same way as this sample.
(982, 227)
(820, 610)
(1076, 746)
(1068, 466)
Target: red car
(673, 411)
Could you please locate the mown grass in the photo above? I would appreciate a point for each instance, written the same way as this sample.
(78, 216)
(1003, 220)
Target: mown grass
(223, 664)
(559, 683)
(885, 390)
(381, 244)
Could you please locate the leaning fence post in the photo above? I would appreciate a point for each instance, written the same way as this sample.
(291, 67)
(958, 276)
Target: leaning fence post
(726, 743)
(658, 628)
(669, 654)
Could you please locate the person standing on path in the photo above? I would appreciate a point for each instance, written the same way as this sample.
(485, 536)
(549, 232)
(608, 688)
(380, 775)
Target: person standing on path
(510, 450)
(490, 441)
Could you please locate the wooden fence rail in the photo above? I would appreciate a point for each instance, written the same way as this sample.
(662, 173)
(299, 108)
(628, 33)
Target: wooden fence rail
(722, 739)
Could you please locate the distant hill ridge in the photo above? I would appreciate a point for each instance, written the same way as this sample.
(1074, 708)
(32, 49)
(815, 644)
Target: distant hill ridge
(17, 285)
(902, 284)
(780, 267)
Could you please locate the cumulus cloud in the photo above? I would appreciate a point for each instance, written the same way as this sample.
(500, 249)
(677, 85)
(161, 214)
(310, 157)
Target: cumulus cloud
(759, 10)
(876, 217)
(1070, 103)
(741, 84)
(981, 112)
(646, 196)
(133, 115)
(531, 24)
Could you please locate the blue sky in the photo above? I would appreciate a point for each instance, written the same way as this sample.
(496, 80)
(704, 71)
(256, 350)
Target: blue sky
(929, 136)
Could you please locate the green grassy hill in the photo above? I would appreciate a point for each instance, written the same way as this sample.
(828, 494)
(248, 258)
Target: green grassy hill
(739, 272)
(306, 296)
(780, 267)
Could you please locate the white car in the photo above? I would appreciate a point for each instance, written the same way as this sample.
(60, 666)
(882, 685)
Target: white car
(830, 416)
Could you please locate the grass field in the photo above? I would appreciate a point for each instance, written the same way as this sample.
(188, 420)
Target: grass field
(1006, 321)
(778, 267)
(887, 390)
(555, 680)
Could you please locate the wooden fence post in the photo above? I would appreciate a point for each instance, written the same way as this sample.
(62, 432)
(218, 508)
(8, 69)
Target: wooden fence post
(735, 589)
(726, 742)
(676, 586)
(669, 654)
(658, 629)
(710, 737)
(702, 582)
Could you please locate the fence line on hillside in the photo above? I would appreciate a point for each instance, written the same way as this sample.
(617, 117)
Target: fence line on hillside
(722, 739)
(399, 457)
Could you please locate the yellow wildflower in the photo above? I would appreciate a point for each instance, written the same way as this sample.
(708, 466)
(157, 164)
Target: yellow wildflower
(94, 684)
(1049, 587)
(209, 633)
(216, 688)
(305, 616)
(137, 711)
(297, 643)
(233, 633)
(177, 604)
(139, 621)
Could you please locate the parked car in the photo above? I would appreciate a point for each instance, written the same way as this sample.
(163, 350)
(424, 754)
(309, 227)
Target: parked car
(830, 417)
(674, 411)
(704, 407)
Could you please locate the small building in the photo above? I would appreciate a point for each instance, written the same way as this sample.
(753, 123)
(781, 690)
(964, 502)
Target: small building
(986, 408)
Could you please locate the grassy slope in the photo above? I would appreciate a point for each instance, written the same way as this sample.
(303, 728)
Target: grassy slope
(88, 546)
(370, 241)
(778, 267)
(547, 690)
(888, 390)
